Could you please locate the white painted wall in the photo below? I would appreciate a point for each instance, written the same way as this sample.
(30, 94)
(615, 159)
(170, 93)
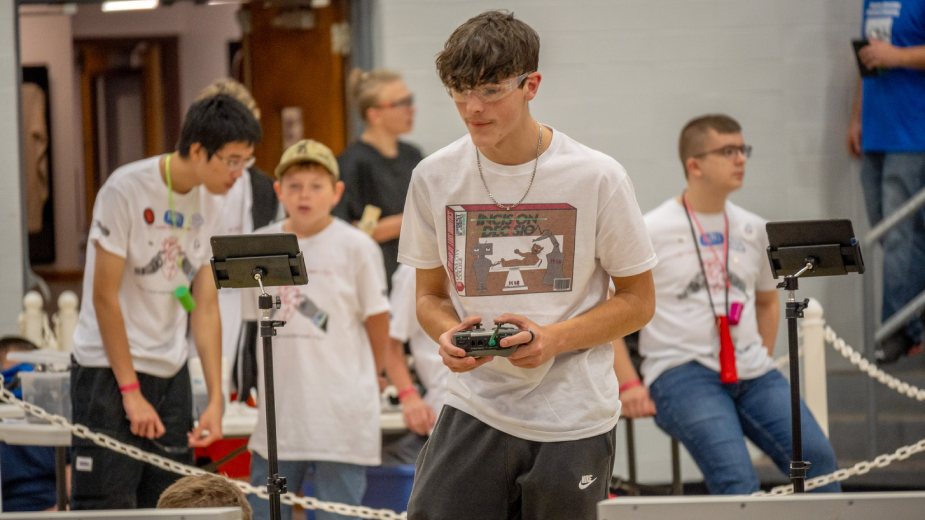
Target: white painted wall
(11, 210)
(45, 39)
(623, 76)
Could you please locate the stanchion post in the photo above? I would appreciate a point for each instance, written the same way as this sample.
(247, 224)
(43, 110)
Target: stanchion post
(815, 385)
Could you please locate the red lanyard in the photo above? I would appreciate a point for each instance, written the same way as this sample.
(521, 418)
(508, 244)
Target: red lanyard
(724, 261)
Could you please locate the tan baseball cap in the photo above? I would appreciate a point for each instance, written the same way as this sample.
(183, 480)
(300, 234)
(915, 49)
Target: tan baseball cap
(308, 150)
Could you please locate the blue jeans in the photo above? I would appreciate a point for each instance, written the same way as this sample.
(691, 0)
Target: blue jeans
(333, 482)
(889, 181)
(712, 420)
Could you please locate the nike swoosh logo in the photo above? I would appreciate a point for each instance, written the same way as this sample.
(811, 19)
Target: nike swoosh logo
(584, 485)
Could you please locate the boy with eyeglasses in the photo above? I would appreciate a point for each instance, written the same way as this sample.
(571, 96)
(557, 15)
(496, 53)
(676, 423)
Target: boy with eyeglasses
(147, 273)
(528, 434)
(707, 352)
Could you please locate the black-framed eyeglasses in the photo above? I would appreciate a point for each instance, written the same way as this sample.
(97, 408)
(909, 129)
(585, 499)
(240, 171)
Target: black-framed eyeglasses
(405, 102)
(236, 163)
(730, 151)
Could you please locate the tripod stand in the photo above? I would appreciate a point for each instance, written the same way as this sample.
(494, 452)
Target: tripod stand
(807, 248)
(276, 484)
(241, 261)
(798, 466)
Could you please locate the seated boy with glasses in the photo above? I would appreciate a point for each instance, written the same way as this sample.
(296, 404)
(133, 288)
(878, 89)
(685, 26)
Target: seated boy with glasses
(707, 351)
(530, 433)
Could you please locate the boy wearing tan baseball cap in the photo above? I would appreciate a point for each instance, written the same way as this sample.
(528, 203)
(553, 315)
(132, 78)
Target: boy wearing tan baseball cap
(332, 345)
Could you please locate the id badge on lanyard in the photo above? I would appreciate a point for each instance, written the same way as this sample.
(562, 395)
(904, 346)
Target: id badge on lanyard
(732, 314)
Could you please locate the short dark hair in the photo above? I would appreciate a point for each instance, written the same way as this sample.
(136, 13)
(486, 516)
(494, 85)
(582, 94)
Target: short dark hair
(14, 344)
(486, 49)
(216, 121)
(695, 131)
(204, 491)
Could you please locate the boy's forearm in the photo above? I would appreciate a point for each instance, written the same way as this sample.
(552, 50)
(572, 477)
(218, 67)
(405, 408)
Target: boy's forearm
(107, 278)
(627, 311)
(115, 339)
(388, 228)
(436, 315)
(207, 331)
(433, 307)
(912, 57)
(767, 311)
(396, 369)
(377, 329)
(622, 364)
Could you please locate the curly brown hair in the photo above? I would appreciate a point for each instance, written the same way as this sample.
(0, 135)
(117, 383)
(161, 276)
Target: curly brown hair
(486, 49)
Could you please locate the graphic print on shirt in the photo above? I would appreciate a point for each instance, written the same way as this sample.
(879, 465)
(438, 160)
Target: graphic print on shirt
(530, 249)
(170, 257)
(711, 251)
(878, 23)
(711, 246)
(293, 300)
(168, 260)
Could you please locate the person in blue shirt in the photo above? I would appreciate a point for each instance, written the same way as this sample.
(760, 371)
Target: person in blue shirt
(887, 131)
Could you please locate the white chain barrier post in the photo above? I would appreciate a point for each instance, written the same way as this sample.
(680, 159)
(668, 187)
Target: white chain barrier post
(815, 389)
(32, 318)
(65, 320)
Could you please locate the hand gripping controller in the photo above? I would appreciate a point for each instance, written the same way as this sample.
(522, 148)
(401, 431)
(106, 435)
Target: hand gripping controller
(478, 342)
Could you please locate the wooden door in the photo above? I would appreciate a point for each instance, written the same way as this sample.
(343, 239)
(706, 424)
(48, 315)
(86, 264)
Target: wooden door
(293, 58)
(155, 61)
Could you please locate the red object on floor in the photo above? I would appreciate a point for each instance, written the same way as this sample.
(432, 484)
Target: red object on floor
(238, 467)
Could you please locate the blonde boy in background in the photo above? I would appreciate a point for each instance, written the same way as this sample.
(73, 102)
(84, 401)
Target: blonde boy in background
(335, 338)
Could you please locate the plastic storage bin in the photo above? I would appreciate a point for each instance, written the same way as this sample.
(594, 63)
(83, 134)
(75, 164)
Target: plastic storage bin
(48, 390)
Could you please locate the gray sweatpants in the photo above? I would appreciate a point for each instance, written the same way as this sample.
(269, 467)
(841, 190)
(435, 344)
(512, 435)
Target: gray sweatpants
(468, 469)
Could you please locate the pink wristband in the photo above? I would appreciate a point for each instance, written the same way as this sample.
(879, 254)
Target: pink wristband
(131, 387)
(406, 392)
(630, 384)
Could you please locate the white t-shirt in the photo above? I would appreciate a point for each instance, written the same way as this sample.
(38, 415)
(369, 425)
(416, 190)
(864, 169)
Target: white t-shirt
(404, 327)
(132, 219)
(324, 375)
(236, 220)
(549, 259)
(683, 328)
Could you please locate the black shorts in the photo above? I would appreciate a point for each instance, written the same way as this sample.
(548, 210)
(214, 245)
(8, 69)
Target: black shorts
(468, 469)
(104, 479)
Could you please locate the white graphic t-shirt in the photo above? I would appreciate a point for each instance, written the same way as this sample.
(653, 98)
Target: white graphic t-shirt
(550, 258)
(163, 249)
(324, 375)
(683, 328)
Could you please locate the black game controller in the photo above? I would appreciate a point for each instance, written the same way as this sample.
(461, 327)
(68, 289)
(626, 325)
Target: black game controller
(478, 342)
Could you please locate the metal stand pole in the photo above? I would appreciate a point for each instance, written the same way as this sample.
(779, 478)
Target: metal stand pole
(798, 466)
(276, 484)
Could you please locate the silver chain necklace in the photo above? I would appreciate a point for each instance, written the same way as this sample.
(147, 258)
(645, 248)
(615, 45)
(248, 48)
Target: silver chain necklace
(508, 207)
